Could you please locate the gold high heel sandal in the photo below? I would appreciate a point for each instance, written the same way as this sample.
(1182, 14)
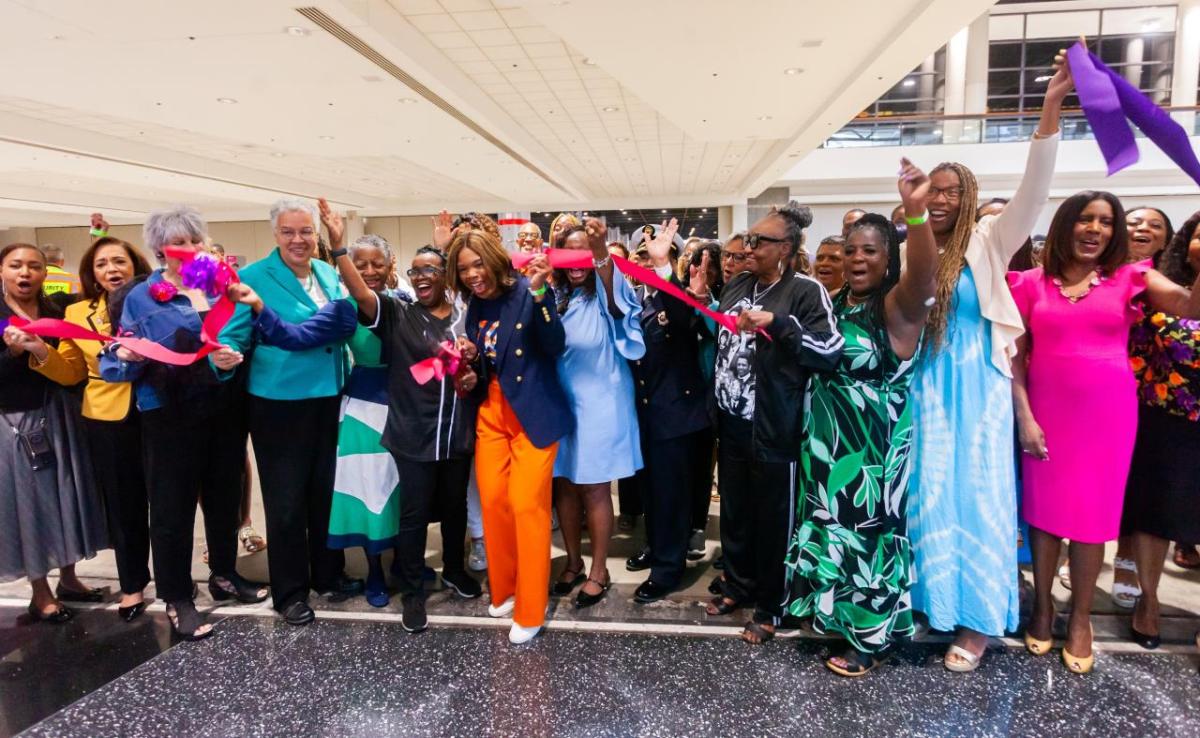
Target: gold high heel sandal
(1036, 646)
(1079, 664)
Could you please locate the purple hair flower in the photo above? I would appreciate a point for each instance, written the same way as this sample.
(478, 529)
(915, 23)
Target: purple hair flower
(200, 273)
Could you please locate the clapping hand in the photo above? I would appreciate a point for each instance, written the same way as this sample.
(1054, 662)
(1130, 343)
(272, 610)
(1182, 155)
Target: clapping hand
(659, 247)
(333, 223)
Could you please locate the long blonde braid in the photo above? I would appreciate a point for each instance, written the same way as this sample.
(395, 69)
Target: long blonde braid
(953, 256)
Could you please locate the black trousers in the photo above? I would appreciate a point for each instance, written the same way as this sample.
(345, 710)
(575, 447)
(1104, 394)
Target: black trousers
(701, 459)
(629, 496)
(116, 453)
(757, 513)
(427, 487)
(189, 458)
(295, 444)
(669, 486)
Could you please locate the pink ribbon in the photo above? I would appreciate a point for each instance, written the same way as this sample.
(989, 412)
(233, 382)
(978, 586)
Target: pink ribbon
(438, 367)
(54, 328)
(579, 259)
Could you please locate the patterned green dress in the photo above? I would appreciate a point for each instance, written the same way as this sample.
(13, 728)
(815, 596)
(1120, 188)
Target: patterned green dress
(849, 562)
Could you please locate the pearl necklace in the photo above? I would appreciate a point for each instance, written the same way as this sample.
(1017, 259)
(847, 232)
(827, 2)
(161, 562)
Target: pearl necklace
(1092, 283)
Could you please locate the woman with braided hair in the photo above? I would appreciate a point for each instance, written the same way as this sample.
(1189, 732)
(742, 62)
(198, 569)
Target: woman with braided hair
(963, 510)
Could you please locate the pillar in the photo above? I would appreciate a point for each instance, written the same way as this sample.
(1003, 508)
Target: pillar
(1187, 61)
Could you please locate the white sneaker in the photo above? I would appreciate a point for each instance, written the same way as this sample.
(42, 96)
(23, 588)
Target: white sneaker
(504, 609)
(477, 559)
(519, 634)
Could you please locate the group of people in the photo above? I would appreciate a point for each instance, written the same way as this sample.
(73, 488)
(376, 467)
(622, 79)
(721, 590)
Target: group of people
(864, 412)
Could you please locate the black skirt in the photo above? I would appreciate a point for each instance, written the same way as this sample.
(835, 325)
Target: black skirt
(1162, 497)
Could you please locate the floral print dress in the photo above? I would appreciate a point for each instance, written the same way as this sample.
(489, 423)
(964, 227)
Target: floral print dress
(849, 563)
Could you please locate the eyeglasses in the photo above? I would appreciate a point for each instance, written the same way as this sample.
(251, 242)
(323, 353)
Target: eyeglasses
(754, 239)
(305, 233)
(737, 256)
(527, 236)
(953, 194)
(427, 271)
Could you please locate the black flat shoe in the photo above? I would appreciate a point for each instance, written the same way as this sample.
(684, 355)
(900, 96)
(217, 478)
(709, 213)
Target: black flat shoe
(133, 612)
(342, 588)
(59, 616)
(650, 591)
(235, 587)
(564, 587)
(462, 584)
(413, 618)
(1148, 642)
(639, 561)
(299, 613)
(96, 594)
(583, 599)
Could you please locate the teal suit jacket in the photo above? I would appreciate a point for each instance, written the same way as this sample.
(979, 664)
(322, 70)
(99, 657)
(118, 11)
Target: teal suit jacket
(276, 373)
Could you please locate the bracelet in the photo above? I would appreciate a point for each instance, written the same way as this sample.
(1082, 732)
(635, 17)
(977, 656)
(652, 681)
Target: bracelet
(98, 233)
(538, 292)
(338, 252)
(921, 219)
(601, 263)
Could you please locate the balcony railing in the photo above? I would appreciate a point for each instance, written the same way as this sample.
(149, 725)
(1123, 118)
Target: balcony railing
(933, 130)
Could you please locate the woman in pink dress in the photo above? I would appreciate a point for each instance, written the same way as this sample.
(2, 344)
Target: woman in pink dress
(1075, 400)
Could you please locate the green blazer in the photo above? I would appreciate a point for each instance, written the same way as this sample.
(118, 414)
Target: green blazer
(276, 373)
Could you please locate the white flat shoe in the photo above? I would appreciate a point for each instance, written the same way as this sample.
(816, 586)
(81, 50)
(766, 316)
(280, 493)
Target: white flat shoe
(504, 609)
(519, 634)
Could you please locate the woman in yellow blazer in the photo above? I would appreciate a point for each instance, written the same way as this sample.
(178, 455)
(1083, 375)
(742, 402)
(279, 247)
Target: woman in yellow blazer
(110, 416)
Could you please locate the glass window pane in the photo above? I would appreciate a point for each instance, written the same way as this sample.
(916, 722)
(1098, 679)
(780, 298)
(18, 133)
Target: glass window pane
(1063, 25)
(1004, 83)
(1004, 55)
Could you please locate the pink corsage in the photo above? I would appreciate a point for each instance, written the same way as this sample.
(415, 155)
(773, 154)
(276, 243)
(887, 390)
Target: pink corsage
(163, 291)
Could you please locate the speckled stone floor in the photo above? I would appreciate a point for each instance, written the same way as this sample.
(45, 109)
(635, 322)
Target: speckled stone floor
(364, 679)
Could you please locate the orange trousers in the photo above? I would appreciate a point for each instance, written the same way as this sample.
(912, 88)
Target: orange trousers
(514, 493)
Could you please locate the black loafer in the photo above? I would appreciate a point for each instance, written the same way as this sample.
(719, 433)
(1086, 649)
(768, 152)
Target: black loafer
(96, 594)
(133, 612)
(342, 588)
(640, 561)
(299, 613)
(651, 591)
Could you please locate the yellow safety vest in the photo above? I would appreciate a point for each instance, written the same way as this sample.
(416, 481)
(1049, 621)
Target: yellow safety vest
(59, 281)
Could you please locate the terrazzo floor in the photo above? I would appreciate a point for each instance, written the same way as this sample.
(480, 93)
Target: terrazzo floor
(260, 677)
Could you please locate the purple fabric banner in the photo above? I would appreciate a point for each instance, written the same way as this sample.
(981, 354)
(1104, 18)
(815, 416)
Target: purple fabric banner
(1110, 102)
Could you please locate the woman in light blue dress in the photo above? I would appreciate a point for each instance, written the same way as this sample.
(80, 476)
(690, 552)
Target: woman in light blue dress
(604, 333)
(962, 501)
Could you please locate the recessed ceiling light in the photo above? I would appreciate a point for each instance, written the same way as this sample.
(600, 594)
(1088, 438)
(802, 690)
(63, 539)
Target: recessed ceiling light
(909, 82)
(621, 139)
(610, 108)
(811, 43)
(227, 101)
(325, 138)
(793, 70)
(630, 158)
(467, 138)
(764, 117)
(589, 61)
(407, 101)
(278, 154)
(296, 31)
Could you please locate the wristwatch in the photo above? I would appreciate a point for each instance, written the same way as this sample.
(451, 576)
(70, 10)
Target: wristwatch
(338, 252)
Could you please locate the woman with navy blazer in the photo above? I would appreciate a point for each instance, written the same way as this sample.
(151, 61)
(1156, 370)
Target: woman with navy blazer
(514, 338)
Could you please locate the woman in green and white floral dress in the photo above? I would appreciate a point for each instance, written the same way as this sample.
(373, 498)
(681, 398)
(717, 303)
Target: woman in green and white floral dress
(849, 561)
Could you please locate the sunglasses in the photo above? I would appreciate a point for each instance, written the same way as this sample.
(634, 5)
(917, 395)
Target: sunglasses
(755, 239)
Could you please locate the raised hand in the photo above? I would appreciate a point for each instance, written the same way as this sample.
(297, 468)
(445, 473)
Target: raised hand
(333, 223)
(538, 272)
(443, 230)
(1061, 83)
(914, 188)
(596, 232)
(659, 247)
(698, 279)
(99, 223)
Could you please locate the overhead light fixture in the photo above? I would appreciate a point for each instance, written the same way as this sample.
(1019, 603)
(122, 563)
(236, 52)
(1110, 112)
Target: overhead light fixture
(296, 31)
(610, 108)
(407, 101)
(1043, 78)
(793, 71)
(621, 139)
(227, 101)
(589, 61)
(325, 138)
(909, 82)
(764, 117)
(278, 154)
(467, 138)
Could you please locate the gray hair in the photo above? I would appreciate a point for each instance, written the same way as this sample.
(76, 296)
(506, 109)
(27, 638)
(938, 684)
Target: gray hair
(736, 236)
(293, 205)
(372, 241)
(164, 225)
(536, 228)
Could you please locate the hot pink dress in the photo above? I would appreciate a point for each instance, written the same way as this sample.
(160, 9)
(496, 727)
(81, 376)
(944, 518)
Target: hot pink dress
(1084, 395)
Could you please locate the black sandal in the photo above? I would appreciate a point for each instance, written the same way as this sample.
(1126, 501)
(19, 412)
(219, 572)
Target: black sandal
(758, 631)
(58, 617)
(186, 621)
(235, 587)
(717, 585)
(563, 588)
(583, 599)
(860, 664)
(719, 606)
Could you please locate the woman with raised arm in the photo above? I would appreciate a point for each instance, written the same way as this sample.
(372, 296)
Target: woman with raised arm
(850, 561)
(963, 518)
(1076, 400)
(600, 317)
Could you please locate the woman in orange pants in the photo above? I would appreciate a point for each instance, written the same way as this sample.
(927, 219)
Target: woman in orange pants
(513, 338)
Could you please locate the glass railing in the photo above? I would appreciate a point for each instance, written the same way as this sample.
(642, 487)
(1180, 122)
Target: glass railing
(934, 130)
